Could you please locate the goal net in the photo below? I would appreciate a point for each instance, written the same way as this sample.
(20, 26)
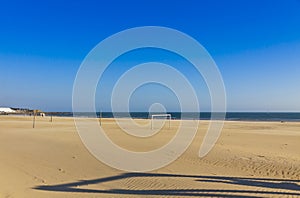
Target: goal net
(162, 117)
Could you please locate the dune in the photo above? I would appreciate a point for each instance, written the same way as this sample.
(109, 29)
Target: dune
(250, 159)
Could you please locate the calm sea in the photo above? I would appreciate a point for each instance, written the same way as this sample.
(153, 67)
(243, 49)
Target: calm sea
(242, 116)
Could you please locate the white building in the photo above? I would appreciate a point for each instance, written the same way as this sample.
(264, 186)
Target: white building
(6, 110)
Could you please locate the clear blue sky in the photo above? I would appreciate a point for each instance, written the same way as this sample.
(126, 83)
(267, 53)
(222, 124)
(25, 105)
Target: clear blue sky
(256, 45)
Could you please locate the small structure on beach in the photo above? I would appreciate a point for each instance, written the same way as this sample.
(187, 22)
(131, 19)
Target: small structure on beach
(39, 113)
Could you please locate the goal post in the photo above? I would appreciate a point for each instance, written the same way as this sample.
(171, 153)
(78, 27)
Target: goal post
(168, 116)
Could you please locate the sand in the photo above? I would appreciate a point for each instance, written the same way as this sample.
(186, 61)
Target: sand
(250, 159)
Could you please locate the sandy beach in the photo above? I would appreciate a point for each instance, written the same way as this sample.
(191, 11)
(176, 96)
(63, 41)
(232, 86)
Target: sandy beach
(250, 159)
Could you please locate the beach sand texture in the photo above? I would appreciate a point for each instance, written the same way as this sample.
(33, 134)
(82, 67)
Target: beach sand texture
(250, 159)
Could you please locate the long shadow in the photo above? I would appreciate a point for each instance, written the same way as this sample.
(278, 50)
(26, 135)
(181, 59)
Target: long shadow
(272, 184)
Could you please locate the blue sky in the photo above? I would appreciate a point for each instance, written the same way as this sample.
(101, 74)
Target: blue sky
(256, 45)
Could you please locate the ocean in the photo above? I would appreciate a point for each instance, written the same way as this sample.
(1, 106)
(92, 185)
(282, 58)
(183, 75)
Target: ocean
(234, 116)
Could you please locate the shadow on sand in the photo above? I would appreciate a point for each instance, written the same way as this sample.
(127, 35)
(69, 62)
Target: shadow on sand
(272, 186)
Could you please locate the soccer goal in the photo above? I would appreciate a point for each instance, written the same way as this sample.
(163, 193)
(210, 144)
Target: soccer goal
(160, 116)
